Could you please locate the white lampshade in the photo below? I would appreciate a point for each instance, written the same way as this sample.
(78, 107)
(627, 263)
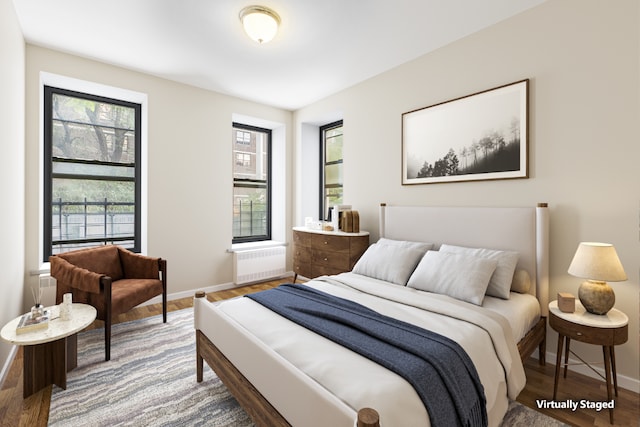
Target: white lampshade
(260, 23)
(597, 261)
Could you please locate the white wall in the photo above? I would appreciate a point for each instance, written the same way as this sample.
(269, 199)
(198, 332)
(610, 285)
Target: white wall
(189, 167)
(12, 54)
(582, 59)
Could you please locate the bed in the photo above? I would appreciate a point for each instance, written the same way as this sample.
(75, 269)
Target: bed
(283, 374)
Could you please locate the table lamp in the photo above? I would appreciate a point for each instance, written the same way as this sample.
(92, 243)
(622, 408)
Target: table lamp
(599, 264)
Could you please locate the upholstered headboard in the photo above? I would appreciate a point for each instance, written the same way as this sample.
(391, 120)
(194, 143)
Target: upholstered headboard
(521, 229)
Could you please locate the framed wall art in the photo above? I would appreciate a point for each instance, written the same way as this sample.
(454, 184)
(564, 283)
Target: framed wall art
(482, 136)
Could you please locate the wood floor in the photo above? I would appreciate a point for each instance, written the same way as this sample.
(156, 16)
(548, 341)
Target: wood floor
(34, 411)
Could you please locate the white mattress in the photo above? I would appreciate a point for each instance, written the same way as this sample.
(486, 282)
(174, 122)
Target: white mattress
(522, 311)
(250, 329)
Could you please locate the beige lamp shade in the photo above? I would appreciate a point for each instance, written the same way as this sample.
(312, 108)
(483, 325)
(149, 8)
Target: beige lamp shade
(598, 262)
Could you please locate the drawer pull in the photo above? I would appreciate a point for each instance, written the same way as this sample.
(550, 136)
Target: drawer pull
(326, 259)
(579, 334)
(326, 243)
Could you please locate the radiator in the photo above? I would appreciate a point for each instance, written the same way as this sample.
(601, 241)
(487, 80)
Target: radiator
(255, 265)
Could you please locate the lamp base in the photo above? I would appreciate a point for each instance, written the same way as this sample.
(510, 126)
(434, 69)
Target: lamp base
(596, 297)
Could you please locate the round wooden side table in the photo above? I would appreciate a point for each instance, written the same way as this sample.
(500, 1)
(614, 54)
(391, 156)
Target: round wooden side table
(50, 353)
(607, 330)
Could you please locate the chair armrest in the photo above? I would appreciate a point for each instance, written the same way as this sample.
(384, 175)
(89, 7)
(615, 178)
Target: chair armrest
(75, 277)
(136, 266)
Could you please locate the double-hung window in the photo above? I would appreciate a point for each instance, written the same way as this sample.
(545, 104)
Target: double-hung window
(251, 183)
(331, 190)
(92, 171)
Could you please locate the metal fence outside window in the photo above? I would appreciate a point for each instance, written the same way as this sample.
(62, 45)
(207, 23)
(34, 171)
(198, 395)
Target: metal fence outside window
(249, 219)
(81, 224)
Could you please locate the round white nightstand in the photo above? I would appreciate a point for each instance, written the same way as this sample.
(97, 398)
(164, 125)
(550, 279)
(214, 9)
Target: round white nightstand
(607, 330)
(50, 353)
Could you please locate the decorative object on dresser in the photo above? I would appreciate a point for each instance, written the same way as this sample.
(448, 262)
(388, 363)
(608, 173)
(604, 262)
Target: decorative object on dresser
(317, 253)
(599, 264)
(607, 330)
(336, 216)
(350, 222)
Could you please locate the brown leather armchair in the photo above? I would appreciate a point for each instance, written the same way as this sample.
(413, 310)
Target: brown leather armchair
(111, 279)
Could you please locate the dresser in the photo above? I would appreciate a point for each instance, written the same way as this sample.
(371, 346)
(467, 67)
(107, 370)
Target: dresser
(317, 253)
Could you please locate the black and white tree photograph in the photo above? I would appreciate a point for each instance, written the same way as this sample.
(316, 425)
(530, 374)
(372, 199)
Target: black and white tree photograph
(477, 137)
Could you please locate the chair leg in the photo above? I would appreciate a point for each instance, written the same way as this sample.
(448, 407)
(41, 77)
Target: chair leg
(163, 269)
(164, 307)
(107, 338)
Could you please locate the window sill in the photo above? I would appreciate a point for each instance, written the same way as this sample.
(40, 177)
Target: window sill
(45, 268)
(239, 247)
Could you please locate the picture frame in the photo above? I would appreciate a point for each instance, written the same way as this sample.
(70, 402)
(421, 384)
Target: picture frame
(482, 136)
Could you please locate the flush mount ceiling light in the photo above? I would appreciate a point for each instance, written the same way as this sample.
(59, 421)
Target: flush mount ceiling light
(260, 23)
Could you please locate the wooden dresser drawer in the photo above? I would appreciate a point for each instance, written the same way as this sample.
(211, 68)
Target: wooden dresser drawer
(330, 242)
(302, 254)
(358, 245)
(301, 238)
(303, 269)
(337, 260)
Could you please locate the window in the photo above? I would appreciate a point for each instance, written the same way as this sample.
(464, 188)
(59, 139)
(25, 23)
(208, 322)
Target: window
(251, 183)
(92, 181)
(330, 167)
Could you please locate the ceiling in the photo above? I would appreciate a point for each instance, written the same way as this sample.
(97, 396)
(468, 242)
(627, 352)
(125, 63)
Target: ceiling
(323, 46)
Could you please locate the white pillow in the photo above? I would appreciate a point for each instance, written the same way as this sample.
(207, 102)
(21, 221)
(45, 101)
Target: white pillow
(459, 276)
(391, 263)
(500, 284)
(424, 247)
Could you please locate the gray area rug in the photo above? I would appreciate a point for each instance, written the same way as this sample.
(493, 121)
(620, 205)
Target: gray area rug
(520, 415)
(151, 381)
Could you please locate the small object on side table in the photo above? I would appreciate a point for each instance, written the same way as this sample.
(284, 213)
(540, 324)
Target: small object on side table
(606, 330)
(566, 302)
(65, 306)
(36, 320)
(37, 311)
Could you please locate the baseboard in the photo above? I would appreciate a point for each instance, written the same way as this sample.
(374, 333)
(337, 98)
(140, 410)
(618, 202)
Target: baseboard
(625, 382)
(7, 364)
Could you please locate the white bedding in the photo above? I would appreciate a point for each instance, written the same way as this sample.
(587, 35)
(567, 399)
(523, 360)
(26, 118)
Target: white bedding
(342, 372)
(522, 311)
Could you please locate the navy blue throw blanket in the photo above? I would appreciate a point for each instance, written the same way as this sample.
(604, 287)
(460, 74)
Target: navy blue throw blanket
(439, 369)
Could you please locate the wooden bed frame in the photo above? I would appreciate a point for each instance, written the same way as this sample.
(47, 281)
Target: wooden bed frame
(264, 414)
